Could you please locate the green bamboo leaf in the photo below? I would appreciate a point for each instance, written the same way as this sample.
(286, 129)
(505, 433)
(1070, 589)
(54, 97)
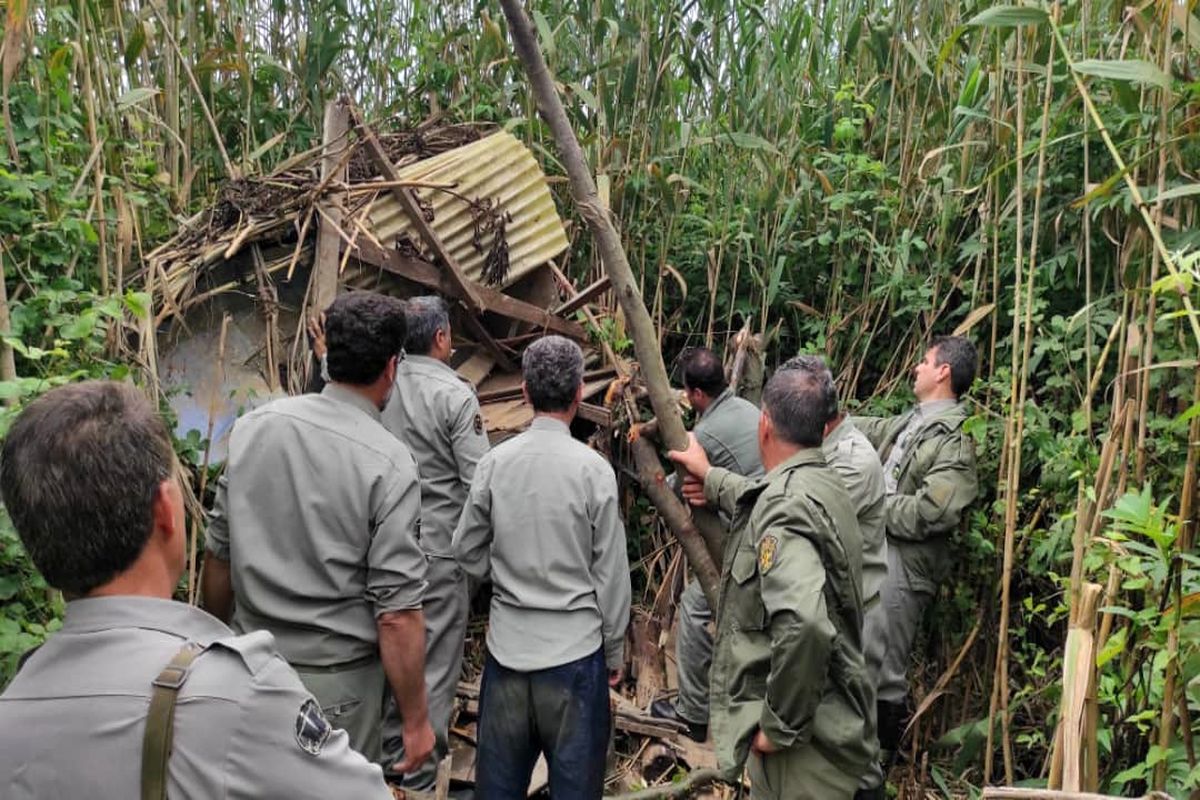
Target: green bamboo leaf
(917, 57)
(135, 45)
(1008, 17)
(1134, 70)
(135, 96)
(1176, 192)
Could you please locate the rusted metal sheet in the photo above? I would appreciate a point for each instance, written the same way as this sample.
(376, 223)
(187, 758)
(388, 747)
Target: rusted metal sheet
(497, 167)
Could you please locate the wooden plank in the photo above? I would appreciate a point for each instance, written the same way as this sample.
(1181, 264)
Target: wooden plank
(463, 288)
(329, 238)
(584, 297)
(476, 368)
(473, 324)
(514, 392)
(493, 300)
(594, 413)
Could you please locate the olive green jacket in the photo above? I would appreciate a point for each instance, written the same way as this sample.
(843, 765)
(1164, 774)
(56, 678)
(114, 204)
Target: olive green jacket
(788, 653)
(935, 482)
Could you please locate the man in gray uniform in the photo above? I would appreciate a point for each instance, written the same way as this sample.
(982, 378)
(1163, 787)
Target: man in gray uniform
(90, 482)
(850, 454)
(315, 533)
(543, 521)
(727, 429)
(436, 413)
(929, 470)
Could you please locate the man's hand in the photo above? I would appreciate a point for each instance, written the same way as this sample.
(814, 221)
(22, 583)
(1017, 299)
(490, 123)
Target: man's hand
(615, 676)
(762, 745)
(693, 459)
(418, 746)
(693, 491)
(316, 330)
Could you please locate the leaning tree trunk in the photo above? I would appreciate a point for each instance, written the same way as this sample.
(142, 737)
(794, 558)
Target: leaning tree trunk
(612, 256)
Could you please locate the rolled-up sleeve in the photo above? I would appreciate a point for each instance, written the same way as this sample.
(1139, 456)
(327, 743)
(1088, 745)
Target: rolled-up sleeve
(216, 537)
(610, 566)
(472, 541)
(396, 564)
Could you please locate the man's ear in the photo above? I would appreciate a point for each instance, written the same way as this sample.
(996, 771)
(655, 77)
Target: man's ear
(167, 512)
(579, 393)
(525, 394)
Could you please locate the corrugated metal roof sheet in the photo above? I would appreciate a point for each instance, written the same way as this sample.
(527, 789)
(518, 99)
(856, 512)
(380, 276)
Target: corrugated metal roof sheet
(497, 167)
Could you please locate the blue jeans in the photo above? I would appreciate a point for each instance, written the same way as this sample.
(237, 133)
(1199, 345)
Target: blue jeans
(562, 712)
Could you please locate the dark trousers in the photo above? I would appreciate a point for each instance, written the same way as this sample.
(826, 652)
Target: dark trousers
(562, 712)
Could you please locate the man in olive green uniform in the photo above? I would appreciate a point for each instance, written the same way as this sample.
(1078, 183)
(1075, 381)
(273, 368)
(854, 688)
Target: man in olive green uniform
(929, 470)
(789, 684)
(436, 413)
(314, 533)
(89, 480)
(727, 429)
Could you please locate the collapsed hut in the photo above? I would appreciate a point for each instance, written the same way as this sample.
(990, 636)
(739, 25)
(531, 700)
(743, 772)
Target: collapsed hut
(464, 211)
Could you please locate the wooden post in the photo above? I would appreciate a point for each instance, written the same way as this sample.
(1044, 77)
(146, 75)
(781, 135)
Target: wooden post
(8, 364)
(1079, 662)
(325, 262)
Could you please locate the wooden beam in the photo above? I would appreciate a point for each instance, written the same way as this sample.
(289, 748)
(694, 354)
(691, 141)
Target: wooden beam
(325, 262)
(514, 392)
(493, 300)
(594, 413)
(462, 287)
(586, 296)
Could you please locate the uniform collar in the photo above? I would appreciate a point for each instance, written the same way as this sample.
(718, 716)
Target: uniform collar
(343, 394)
(544, 423)
(721, 398)
(809, 456)
(429, 361)
(933, 408)
(92, 614)
(837, 434)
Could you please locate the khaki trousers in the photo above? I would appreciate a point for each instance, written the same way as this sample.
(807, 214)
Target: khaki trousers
(352, 699)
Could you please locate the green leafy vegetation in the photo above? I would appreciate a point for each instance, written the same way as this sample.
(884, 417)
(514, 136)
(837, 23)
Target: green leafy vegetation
(850, 177)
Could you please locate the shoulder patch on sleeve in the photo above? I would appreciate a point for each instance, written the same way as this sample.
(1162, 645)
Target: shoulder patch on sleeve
(768, 549)
(312, 729)
(478, 423)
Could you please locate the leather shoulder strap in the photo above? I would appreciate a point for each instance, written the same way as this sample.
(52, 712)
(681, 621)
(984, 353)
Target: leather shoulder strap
(160, 722)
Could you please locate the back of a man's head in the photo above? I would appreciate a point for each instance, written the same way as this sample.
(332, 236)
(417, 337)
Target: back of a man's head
(800, 398)
(79, 471)
(960, 354)
(425, 316)
(553, 370)
(703, 370)
(363, 331)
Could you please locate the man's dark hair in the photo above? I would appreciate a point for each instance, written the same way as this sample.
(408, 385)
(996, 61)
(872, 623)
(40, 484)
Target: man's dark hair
(960, 354)
(79, 471)
(553, 370)
(819, 368)
(703, 370)
(800, 398)
(425, 316)
(363, 331)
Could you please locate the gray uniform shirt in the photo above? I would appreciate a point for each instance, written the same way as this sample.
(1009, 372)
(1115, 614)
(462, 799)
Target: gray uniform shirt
(543, 520)
(728, 432)
(437, 416)
(318, 513)
(921, 414)
(72, 721)
(850, 454)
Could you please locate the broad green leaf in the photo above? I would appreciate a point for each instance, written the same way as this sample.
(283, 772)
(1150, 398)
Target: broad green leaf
(1008, 17)
(1131, 69)
(138, 304)
(1176, 192)
(81, 327)
(135, 96)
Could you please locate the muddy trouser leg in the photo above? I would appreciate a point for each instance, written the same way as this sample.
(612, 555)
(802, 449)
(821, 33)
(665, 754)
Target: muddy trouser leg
(445, 609)
(904, 607)
(693, 654)
(351, 699)
(798, 774)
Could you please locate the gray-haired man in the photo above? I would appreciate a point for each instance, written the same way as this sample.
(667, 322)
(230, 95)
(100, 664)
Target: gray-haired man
(543, 521)
(436, 414)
